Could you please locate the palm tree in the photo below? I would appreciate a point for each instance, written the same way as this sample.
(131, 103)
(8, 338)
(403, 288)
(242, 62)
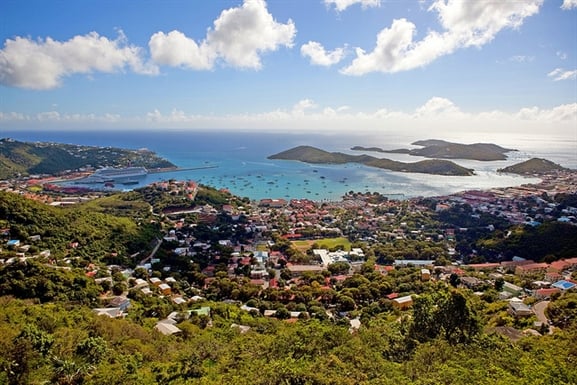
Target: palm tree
(69, 372)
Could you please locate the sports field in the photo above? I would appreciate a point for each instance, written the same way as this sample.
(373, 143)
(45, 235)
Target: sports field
(324, 243)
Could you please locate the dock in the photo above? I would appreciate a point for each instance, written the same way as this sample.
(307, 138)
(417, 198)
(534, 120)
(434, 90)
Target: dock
(178, 169)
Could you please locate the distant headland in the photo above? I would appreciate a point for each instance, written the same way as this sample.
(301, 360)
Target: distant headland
(29, 158)
(434, 148)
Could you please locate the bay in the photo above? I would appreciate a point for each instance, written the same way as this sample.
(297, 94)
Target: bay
(241, 165)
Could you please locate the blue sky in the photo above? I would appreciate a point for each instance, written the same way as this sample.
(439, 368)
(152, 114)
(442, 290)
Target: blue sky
(323, 65)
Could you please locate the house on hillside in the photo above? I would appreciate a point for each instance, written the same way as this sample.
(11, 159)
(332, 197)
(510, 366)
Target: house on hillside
(519, 309)
(164, 288)
(403, 303)
(120, 302)
(166, 328)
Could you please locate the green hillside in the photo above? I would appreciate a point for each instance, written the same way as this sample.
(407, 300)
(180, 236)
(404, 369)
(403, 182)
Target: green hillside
(96, 235)
(24, 158)
(533, 166)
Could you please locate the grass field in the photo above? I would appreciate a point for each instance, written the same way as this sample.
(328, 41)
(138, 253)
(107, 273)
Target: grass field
(324, 243)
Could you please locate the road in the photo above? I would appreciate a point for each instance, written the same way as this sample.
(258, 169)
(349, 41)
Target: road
(151, 255)
(539, 309)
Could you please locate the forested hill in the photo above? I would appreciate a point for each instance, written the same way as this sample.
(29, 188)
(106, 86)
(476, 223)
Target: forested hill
(310, 154)
(95, 235)
(25, 158)
(533, 166)
(434, 148)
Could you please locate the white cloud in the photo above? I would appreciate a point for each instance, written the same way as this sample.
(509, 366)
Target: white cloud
(341, 5)
(465, 24)
(561, 55)
(319, 56)
(438, 106)
(564, 112)
(42, 64)
(55, 116)
(239, 36)
(437, 116)
(562, 74)
(569, 4)
(302, 106)
(175, 49)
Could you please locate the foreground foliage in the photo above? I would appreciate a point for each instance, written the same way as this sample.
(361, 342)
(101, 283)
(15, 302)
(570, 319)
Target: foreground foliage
(73, 346)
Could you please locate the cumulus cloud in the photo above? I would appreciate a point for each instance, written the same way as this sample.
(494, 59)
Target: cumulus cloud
(569, 4)
(438, 106)
(177, 50)
(302, 106)
(319, 56)
(562, 74)
(564, 112)
(239, 36)
(41, 64)
(341, 5)
(465, 24)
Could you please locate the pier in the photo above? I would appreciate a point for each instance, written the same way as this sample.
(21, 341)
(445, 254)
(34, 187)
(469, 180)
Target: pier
(178, 169)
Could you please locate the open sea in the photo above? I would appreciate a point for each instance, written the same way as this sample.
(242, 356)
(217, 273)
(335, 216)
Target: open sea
(243, 168)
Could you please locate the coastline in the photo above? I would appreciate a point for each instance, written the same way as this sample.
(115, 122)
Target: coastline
(237, 162)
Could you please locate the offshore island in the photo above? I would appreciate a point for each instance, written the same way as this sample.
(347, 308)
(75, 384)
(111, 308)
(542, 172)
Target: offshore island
(309, 154)
(434, 148)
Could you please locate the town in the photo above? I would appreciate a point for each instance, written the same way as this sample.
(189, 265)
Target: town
(177, 265)
(300, 258)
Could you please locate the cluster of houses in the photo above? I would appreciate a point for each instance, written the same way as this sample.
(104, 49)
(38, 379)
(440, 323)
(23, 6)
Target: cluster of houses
(522, 204)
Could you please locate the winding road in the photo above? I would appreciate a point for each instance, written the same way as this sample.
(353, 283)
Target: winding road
(539, 309)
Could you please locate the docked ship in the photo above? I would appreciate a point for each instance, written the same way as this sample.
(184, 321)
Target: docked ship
(105, 175)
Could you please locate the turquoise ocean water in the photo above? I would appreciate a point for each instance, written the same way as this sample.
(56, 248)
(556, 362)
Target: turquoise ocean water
(241, 164)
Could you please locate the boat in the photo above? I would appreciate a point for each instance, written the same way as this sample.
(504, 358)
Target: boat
(110, 174)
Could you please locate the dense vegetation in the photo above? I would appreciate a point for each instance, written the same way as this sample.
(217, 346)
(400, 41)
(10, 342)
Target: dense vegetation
(310, 154)
(22, 158)
(63, 345)
(81, 233)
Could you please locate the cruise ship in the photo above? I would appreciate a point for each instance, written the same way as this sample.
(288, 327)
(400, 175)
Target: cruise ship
(104, 175)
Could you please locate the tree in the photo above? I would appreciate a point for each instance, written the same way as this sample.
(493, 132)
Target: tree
(424, 326)
(340, 267)
(93, 349)
(118, 288)
(563, 311)
(447, 314)
(457, 318)
(499, 283)
(454, 280)
(69, 372)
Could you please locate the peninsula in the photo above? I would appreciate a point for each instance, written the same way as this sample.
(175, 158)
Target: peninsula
(434, 148)
(309, 154)
(26, 158)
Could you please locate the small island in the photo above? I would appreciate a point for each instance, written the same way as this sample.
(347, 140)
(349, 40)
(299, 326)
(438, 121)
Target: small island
(434, 148)
(533, 166)
(309, 154)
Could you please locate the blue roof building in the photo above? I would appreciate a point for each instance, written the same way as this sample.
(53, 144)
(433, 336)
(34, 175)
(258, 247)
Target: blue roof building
(563, 285)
